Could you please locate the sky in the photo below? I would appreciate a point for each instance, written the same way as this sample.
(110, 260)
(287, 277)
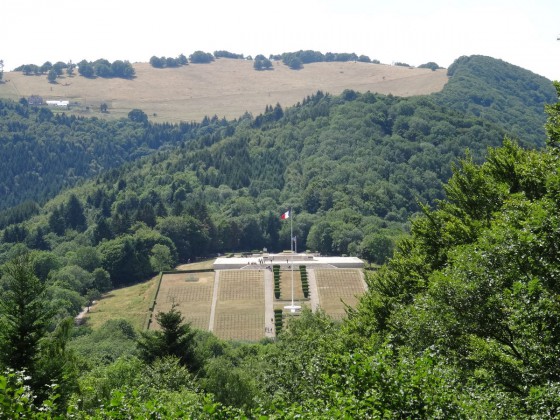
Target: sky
(415, 32)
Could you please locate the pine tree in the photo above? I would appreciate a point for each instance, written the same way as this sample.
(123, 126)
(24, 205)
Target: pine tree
(25, 314)
(174, 339)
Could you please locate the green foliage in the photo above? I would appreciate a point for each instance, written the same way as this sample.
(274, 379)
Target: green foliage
(430, 65)
(262, 63)
(227, 54)
(484, 82)
(17, 401)
(163, 62)
(52, 76)
(161, 258)
(27, 341)
(553, 122)
(231, 385)
(459, 323)
(377, 248)
(199, 57)
(104, 68)
(46, 152)
(174, 339)
(25, 316)
(116, 338)
(476, 283)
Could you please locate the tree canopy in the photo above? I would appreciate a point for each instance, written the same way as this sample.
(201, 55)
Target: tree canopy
(460, 321)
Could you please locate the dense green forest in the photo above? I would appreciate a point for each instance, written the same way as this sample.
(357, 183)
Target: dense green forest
(44, 152)
(460, 322)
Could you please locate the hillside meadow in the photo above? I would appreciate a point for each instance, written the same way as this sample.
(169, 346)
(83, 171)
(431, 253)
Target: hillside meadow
(226, 88)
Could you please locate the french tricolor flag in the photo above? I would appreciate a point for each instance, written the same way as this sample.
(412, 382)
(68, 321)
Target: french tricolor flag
(285, 215)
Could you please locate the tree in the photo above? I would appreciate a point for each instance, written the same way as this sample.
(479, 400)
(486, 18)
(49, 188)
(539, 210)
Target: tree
(430, 65)
(47, 65)
(161, 258)
(377, 248)
(56, 222)
(51, 77)
(137, 115)
(86, 69)
(25, 342)
(1, 70)
(157, 62)
(103, 70)
(122, 261)
(201, 57)
(122, 69)
(59, 67)
(70, 67)
(25, 315)
(262, 63)
(101, 280)
(258, 65)
(74, 214)
(188, 234)
(174, 339)
(553, 123)
(295, 63)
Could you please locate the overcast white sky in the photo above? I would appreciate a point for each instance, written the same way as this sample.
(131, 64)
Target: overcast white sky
(520, 32)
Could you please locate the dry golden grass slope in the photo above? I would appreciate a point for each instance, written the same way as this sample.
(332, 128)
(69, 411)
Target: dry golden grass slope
(226, 87)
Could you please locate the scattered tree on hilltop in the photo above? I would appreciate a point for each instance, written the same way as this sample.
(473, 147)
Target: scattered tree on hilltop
(86, 69)
(47, 65)
(227, 54)
(200, 57)
(163, 62)
(429, 65)
(70, 68)
(52, 76)
(106, 69)
(262, 63)
(296, 60)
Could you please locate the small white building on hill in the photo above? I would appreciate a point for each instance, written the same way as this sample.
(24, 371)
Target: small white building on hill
(59, 104)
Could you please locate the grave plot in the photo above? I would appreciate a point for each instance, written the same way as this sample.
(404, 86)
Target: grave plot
(192, 292)
(240, 310)
(337, 286)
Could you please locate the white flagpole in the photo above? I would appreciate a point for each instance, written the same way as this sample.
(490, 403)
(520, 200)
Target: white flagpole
(292, 248)
(293, 308)
(291, 231)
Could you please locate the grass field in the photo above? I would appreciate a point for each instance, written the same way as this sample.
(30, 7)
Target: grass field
(286, 286)
(226, 88)
(338, 287)
(240, 306)
(130, 303)
(240, 299)
(191, 292)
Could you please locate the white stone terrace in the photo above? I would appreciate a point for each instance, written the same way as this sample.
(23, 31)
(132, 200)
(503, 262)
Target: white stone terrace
(285, 261)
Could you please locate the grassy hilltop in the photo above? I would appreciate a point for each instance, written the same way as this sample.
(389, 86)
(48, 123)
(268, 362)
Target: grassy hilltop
(226, 87)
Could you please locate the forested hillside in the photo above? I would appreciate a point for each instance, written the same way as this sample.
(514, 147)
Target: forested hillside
(460, 323)
(354, 169)
(501, 93)
(44, 152)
